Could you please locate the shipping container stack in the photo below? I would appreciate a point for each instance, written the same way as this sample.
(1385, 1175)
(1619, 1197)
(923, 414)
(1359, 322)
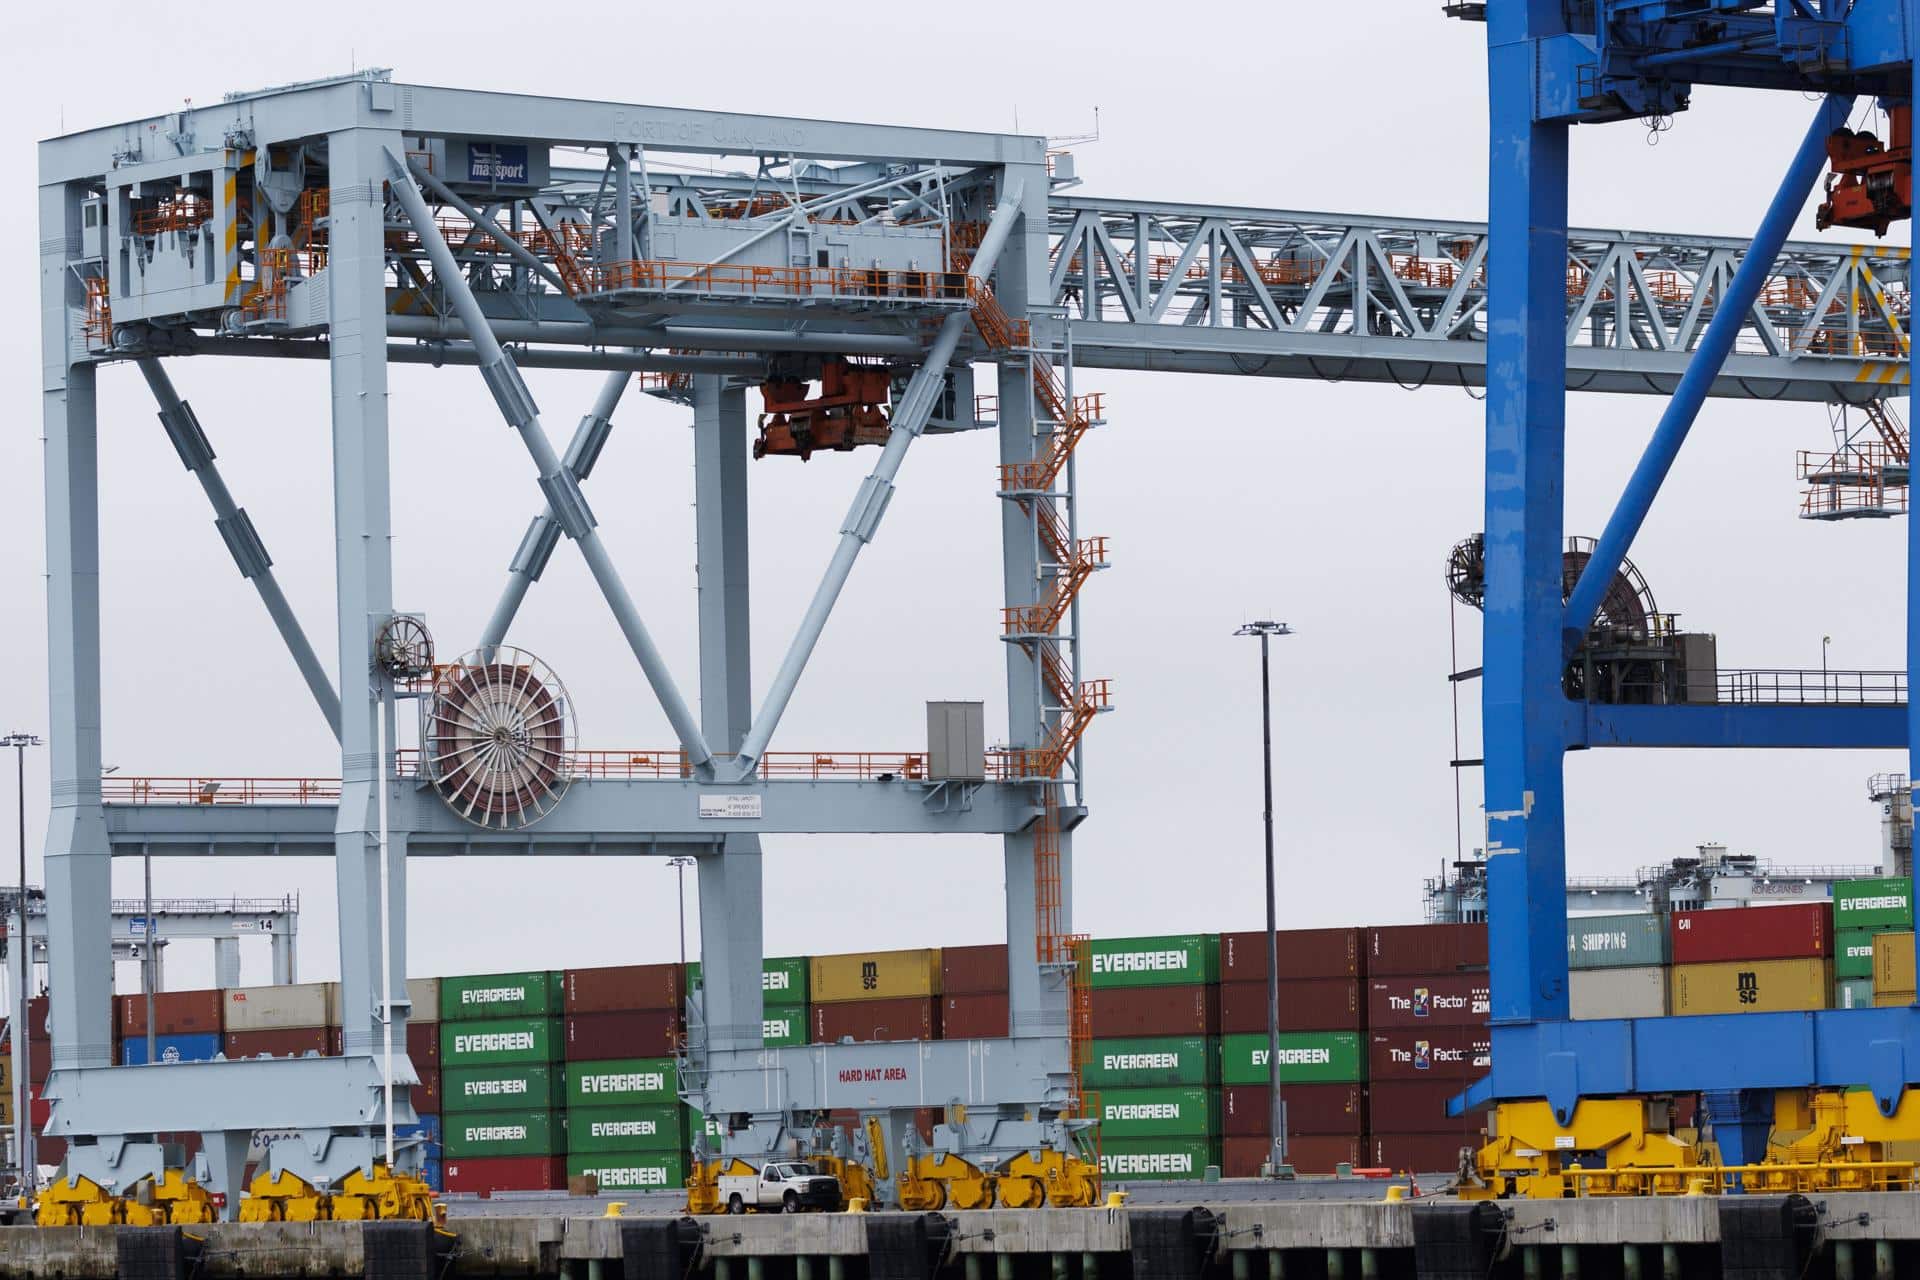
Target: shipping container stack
(423, 1049)
(973, 992)
(875, 995)
(1863, 910)
(1617, 966)
(625, 1125)
(1322, 1084)
(187, 1026)
(783, 993)
(504, 1126)
(1155, 989)
(1893, 969)
(1428, 1008)
(1752, 959)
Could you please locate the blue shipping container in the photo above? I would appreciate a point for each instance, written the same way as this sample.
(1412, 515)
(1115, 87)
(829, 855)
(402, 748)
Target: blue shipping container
(431, 1173)
(428, 1129)
(201, 1047)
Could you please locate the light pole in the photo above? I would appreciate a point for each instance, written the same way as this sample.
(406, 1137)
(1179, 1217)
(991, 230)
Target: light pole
(1276, 1109)
(680, 865)
(22, 1129)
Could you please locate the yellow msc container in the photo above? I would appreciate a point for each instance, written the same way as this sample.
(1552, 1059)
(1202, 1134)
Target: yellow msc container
(875, 975)
(1892, 965)
(1751, 986)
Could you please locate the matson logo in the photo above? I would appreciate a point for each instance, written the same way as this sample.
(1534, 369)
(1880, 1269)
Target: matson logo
(493, 1042)
(867, 1075)
(1142, 1162)
(625, 1082)
(1140, 961)
(493, 995)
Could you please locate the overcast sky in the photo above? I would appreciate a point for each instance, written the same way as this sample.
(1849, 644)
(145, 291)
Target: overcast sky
(1224, 498)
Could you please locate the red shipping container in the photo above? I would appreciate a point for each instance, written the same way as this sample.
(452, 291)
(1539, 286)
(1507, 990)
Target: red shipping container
(489, 1174)
(39, 1110)
(1156, 1011)
(1304, 953)
(1448, 999)
(623, 988)
(426, 1095)
(1417, 1152)
(37, 1017)
(981, 1016)
(51, 1150)
(1242, 1157)
(423, 1044)
(643, 1033)
(924, 1118)
(1425, 949)
(1315, 1004)
(1430, 1053)
(1419, 1106)
(174, 1013)
(292, 1042)
(900, 1018)
(40, 1060)
(1312, 1109)
(1795, 931)
(972, 971)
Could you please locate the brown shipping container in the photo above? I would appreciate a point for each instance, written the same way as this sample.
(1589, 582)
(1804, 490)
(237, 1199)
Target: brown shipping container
(174, 1013)
(1304, 953)
(1430, 1053)
(623, 988)
(1315, 1004)
(1450, 999)
(1155, 1011)
(1312, 1109)
(37, 1017)
(1316, 1154)
(1791, 931)
(972, 971)
(980, 1016)
(290, 1042)
(1419, 1106)
(506, 1173)
(1416, 1152)
(40, 1060)
(1425, 949)
(905, 1019)
(426, 1095)
(423, 1044)
(638, 1033)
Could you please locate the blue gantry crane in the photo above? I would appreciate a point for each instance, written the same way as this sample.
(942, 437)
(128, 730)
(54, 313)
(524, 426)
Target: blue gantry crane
(1581, 1107)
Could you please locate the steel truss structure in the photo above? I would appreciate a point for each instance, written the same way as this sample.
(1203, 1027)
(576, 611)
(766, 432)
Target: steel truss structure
(365, 223)
(1551, 66)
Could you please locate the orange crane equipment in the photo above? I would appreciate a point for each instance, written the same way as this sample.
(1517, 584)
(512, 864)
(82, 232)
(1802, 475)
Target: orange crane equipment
(850, 410)
(1871, 185)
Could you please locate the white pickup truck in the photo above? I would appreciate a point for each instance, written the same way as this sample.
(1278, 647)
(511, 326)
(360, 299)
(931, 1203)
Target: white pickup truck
(786, 1186)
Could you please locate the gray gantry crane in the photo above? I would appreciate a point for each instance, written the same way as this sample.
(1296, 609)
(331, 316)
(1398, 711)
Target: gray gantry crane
(365, 222)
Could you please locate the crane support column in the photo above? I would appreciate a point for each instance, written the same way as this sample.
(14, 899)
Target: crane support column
(1730, 314)
(1526, 443)
(1913, 575)
(364, 567)
(731, 927)
(79, 889)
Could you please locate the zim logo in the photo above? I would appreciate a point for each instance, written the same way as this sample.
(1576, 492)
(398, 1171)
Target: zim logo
(1749, 987)
(869, 975)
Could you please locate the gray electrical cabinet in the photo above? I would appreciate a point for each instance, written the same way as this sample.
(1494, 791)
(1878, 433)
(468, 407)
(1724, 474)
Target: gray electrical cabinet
(957, 741)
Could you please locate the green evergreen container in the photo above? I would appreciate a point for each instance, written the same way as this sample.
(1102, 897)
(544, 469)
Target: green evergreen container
(499, 1042)
(621, 1082)
(1853, 993)
(649, 1127)
(1633, 940)
(783, 978)
(1183, 960)
(1157, 1159)
(501, 995)
(1884, 902)
(473, 1134)
(1306, 1057)
(1159, 1113)
(493, 1088)
(1152, 1062)
(632, 1170)
(1853, 953)
(784, 1025)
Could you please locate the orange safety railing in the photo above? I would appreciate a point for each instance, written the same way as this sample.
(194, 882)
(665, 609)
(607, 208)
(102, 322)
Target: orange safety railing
(1838, 342)
(267, 300)
(570, 250)
(311, 238)
(116, 789)
(1863, 459)
(1836, 501)
(181, 211)
(654, 275)
(99, 320)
